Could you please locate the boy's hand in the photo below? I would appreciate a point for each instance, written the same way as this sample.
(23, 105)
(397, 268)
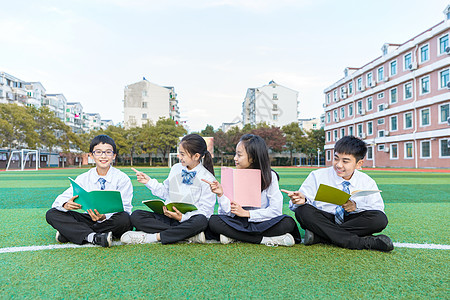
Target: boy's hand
(71, 205)
(141, 177)
(238, 210)
(297, 197)
(176, 215)
(95, 215)
(349, 206)
(216, 187)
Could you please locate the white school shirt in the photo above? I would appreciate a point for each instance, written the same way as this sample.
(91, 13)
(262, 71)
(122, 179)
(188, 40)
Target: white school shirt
(116, 180)
(204, 199)
(328, 176)
(271, 204)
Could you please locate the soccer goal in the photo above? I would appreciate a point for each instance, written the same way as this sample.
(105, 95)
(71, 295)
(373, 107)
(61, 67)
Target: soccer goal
(173, 158)
(23, 159)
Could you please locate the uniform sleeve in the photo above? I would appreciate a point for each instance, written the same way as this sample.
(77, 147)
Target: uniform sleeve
(371, 202)
(224, 205)
(308, 188)
(126, 191)
(205, 205)
(67, 194)
(160, 190)
(275, 203)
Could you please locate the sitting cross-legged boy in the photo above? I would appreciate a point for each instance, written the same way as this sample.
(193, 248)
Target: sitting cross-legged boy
(94, 227)
(353, 224)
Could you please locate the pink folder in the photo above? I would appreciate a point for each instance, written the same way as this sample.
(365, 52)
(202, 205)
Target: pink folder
(242, 186)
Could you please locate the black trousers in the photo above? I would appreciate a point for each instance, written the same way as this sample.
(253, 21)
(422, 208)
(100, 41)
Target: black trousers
(76, 226)
(350, 234)
(218, 226)
(170, 230)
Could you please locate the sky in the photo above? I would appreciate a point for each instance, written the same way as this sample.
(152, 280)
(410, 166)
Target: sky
(210, 51)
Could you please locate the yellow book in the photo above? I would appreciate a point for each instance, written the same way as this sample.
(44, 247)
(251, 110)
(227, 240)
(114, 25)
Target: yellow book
(330, 194)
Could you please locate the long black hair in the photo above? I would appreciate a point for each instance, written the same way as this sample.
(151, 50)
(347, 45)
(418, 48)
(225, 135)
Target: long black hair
(258, 155)
(193, 143)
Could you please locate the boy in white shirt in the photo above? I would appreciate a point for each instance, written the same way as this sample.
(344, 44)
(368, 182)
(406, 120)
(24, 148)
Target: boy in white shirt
(352, 224)
(93, 226)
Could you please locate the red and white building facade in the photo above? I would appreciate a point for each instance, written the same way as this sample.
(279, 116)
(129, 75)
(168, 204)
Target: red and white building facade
(399, 103)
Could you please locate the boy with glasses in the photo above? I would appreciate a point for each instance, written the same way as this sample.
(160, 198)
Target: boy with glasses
(94, 227)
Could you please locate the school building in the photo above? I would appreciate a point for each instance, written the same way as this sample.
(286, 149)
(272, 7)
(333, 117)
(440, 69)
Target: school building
(398, 103)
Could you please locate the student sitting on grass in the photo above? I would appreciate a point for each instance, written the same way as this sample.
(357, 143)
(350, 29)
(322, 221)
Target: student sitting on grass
(94, 227)
(266, 225)
(171, 227)
(352, 224)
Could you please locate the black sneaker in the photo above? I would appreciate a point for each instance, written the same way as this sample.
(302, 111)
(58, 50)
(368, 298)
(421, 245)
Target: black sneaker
(103, 239)
(311, 238)
(60, 238)
(380, 242)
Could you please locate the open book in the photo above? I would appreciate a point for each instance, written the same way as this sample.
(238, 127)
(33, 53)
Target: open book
(181, 196)
(242, 186)
(103, 201)
(330, 194)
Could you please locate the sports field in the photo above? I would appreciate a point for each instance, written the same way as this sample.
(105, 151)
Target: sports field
(417, 205)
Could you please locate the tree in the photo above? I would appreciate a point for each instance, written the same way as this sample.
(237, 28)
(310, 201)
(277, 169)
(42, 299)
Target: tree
(273, 136)
(118, 134)
(17, 127)
(208, 131)
(148, 139)
(168, 135)
(316, 141)
(294, 137)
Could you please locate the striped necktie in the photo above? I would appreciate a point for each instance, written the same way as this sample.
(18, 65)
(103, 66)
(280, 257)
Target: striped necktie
(339, 212)
(102, 182)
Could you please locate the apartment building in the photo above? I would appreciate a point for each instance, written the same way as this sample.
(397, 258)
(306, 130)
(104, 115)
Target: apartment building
(105, 124)
(75, 117)
(309, 124)
(12, 89)
(35, 93)
(272, 103)
(147, 102)
(398, 103)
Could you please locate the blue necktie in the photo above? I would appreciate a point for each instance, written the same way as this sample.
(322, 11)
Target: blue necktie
(102, 183)
(188, 177)
(339, 212)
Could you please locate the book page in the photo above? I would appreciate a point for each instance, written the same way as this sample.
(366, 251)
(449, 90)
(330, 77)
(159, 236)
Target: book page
(362, 193)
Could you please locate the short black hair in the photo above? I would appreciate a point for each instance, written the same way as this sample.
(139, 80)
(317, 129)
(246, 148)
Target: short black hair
(352, 146)
(102, 139)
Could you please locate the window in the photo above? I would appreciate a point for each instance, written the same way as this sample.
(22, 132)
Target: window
(381, 147)
(425, 85)
(342, 112)
(350, 88)
(393, 67)
(408, 120)
(444, 150)
(360, 129)
(335, 114)
(274, 107)
(393, 96)
(144, 116)
(407, 61)
(334, 95)
(328, 155)
(328, 117)
(369, 128)
(369, 79)
(394, 151)
(359, 107)
(425, 117)
(369, 103)
(328, 136)
(359, 84)
(275, 96)
(370, 153)
(144, 104)
(380, 133)
(144, 93)
(380, 121)
(380, 96)
(335, 135)
(343, 92)
(443, 44)
(380, 73)
(425, 149)
(444, 78)
(424, 53)
(328, 98)
(342, 132)
(444, 112)
(394, 123)
(350, 109)
(350, 130)
(380, 107)
(275, 117)
(407, 90)
(409, 150)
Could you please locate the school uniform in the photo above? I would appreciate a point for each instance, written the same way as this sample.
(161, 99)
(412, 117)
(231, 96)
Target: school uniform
(266, 221)
(77, 226)
(319, 217)
(196, 191)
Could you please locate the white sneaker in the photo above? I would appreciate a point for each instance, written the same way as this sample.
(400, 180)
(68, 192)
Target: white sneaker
(226, 240)
(134, 237)
(281, 240)
(198, 238)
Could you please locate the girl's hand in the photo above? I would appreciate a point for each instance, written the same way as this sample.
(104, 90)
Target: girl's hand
(176, 215)
(215, 186)
(297, 197)
(238, 210)
(71, 205)
(141, 177)
(95, 215)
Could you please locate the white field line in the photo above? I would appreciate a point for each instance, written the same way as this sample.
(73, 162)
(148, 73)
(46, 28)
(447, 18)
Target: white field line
(68, 245)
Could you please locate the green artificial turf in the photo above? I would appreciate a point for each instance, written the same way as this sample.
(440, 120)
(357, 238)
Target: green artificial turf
(417, 205)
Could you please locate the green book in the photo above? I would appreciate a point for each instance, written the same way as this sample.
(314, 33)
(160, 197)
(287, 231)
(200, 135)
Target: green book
(104, 201)
(157, 206)
(330, 194)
